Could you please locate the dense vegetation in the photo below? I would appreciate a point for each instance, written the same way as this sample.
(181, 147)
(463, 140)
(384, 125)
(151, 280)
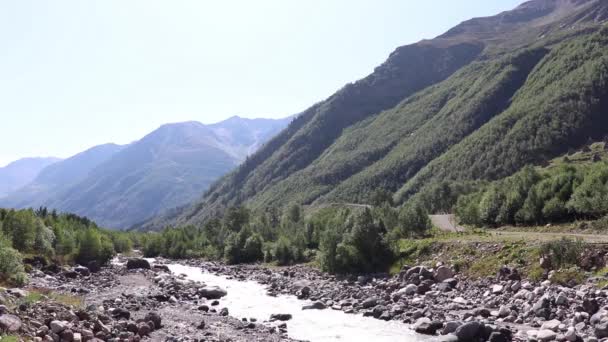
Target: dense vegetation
(341, 239)
(494, 96)
(49, 236)
(531, 197)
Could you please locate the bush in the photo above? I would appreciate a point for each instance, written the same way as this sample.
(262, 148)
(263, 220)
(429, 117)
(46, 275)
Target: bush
(11, 265)
(563, 252)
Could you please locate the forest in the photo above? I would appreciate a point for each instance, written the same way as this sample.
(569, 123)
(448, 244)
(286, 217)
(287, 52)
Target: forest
(49, 237)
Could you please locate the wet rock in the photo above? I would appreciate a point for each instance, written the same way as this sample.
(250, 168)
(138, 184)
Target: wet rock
(469, 331)
(67, 335)
(317, 305)
(450, 327)
(280, 317)
(83, 271)
(120, 313)
(204, 308)
(369, 303)
(224, 312)
(591, 306)
(144, 330)
(212, 292)
(10, 323)
(425, 326)
(410, 289)
(161, 268)
(542, 308)
(138, 263)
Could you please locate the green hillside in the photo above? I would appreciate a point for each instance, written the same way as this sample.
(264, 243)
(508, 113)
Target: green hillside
(477, 103)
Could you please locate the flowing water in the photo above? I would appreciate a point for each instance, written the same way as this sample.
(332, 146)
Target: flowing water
(249, 299)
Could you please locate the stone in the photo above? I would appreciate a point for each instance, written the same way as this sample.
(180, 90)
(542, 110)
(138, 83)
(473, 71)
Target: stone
(317, 305)
(83, 271)
(93, 266)
(144, 330)
(497, 289)
(551, 325)
(154, 318)
(280, 317)
(546, 335)
(19, 293)
(137, 263)
(425, 326)
(451, 281)
(212, 292)
(562, 299)
(67, 335)
(58, 326)
(442, 273)
(571, 335)
(369, 303)
(504, 311)
(10, 323)
(591, 306)
(542, 308)
(224, 312)
(77, 337)
(410, 289)
(121, 313)
(601, 329)
(204, 308)
(450, 327)
(469, 331)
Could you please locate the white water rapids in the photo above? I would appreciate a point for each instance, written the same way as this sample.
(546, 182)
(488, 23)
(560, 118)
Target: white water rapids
(249, 299)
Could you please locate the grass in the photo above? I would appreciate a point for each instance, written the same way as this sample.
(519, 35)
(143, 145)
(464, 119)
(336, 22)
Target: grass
(9, 338)
(37, 295)
(568, 276)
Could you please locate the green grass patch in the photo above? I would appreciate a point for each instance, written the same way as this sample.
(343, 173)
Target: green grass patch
(9, 338)
(38, 295)
(570, 276)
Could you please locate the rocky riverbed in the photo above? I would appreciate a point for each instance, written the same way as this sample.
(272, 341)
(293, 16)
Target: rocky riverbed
(124, 302)
(437, 301)
(132, 300)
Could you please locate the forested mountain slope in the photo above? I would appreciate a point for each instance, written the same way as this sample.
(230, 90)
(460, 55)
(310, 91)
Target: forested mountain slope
(480, 101)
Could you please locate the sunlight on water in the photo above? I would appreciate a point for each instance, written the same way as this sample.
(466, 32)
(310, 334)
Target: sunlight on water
(248, 299)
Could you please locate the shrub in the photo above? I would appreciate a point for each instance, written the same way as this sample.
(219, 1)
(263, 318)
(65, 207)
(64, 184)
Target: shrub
(11, 265)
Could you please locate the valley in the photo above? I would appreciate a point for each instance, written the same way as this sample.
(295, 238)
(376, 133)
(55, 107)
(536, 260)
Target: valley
(457, 193)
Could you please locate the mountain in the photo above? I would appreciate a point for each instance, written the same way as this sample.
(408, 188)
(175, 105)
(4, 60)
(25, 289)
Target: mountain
(119, 185)
(59, 177)
(20, 172)
(478, 102)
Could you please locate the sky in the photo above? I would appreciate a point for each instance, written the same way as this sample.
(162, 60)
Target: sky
(75, 74)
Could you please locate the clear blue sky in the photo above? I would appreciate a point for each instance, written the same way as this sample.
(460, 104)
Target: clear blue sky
(74, 74)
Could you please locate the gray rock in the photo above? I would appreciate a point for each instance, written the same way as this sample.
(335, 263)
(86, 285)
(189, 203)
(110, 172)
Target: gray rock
(562, 299)
(10, 323)
(138, 263)
(551, 325)
(369, 303)
(497, 289)
(410, 289)
(318, 305)
(154, 318)
(425, 326)
(450, 327)
(469, 331)
(546, 335)
(442, 273)
(571, 335)
(212, 292)
(280, 317)
(19, 293)
(58, 326)
(83, 271)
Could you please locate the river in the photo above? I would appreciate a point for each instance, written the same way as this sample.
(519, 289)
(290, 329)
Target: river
(249, 299)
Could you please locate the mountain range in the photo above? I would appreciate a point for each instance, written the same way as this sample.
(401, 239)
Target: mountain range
(479, 102)
(119, 185)
(20, 172)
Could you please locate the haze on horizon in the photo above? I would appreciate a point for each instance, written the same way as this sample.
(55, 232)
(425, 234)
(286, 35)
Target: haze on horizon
(77, 74)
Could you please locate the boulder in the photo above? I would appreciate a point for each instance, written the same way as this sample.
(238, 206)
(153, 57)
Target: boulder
(410, 289)
(318, 305)
(546, 335)
(10, 323)
(369, 303)
(137, 263)
(83, 271)
(469, 331)
(154, 318)
(425, 326)
(280, 317)
(93, 266)
(442, 273)
(450, 327)
(212, 292)
(58, 326)
(551, 325)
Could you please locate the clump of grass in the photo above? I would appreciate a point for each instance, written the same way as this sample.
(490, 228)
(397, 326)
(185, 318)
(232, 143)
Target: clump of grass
(37, 295)
(562, 252)
(485, 267)
(569, 276)
(9, 338)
